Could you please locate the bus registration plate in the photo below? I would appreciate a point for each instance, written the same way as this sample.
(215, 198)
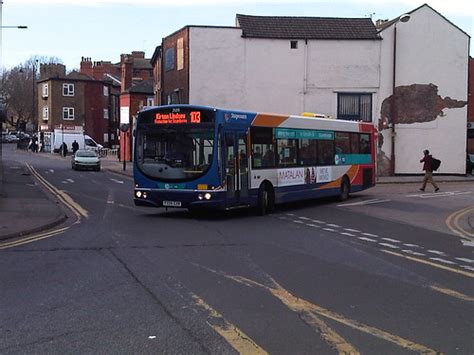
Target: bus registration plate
(172, 203)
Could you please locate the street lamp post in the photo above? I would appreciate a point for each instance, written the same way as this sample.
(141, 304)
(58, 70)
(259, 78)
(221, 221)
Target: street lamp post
(393, 107)
(33, 108)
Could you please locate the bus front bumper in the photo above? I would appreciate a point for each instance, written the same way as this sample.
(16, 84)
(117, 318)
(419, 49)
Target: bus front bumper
(180, 199)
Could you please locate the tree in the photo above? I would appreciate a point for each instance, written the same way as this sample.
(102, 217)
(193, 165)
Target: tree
(18, 90)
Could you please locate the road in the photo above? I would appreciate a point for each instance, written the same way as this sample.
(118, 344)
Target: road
(381, 273)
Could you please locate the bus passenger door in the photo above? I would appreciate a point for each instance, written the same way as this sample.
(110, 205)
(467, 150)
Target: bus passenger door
(235, 167)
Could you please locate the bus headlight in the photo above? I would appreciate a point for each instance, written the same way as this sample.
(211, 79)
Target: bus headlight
(138, 194)
(200, 197)
(207, 196)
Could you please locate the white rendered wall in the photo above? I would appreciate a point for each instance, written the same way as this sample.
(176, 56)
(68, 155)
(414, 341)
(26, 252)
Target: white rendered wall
(429, 50)
(266, 75)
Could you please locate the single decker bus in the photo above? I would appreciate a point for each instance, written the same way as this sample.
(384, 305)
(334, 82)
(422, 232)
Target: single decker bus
(196, 157)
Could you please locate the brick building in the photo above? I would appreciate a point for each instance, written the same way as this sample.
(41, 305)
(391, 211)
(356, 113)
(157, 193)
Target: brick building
(76, 102)
(137, 91)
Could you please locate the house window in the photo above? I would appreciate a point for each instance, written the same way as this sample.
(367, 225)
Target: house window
(180, 54)
(169, 59)
(355, 107)
(293, 44)
(45, 90)
(106, 90)
(150, 101)
(45, 113)
(68, 89)
(68, 113)
(106, 113)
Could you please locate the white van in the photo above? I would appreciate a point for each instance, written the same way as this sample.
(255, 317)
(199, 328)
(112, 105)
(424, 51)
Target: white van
(84, 141)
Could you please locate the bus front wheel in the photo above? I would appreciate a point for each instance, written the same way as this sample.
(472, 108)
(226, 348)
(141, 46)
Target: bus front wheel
(266, 200)
(345, 189)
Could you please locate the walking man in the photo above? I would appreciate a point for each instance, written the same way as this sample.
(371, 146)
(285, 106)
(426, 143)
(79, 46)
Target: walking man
(427, 161)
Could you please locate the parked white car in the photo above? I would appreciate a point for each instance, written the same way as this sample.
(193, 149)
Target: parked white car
(85, 159)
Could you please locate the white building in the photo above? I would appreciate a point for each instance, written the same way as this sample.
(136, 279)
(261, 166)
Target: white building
(341, 67)
(285, 65)
(425, 57)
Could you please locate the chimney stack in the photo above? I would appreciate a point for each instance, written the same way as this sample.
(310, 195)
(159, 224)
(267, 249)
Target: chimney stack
(126, 64)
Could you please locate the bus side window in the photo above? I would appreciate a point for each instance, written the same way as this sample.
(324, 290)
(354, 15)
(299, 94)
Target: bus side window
(263, 155)
(364, 144)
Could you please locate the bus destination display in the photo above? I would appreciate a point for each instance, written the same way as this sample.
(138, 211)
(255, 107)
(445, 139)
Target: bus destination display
(178, 117)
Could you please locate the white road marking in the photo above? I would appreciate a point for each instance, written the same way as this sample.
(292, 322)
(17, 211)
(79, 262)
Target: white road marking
(290, 214)
(352, 230)
(436, 252)
(332, 225)
(465, 260)
(367, 239)
(296, 221)
(70, 180)
(441, 194)
(470, 268)
(370, 235)
(467, 243)
(329, 229)
(412, 245)
(389, 245)
(443, 261)
(413, 252)
(317, 221)
(305, 218)
(348, 234)
(51, 170)
(391, 240)
(366, 202)
(283, 217)
(117, 181)
(313, 225)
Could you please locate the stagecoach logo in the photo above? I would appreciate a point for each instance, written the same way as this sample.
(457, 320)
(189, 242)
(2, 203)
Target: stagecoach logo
(234, 116)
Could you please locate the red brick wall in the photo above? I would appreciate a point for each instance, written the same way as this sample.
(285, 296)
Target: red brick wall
(176, 79)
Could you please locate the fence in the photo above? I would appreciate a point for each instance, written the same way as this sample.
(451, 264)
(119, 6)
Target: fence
(109, 153)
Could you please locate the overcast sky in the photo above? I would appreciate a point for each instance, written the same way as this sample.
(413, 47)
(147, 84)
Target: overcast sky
(103, 29)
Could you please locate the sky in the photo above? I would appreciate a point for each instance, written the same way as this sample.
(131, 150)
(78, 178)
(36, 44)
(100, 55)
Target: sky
(104, 29)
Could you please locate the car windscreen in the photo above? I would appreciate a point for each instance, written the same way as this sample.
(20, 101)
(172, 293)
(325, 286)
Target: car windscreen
(175, 152)
(86, 154)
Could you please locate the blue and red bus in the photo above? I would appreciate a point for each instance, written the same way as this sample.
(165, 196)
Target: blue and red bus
(202, 157)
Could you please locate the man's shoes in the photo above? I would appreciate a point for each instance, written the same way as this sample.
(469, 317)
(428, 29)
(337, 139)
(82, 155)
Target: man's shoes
(437, 189)
(422, 189)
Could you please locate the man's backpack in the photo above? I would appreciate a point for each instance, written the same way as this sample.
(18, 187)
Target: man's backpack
(436, 163)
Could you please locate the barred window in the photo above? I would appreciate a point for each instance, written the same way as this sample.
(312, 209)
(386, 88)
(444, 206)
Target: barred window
(355, 107)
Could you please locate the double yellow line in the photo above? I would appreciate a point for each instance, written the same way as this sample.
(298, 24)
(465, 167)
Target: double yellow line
(75, 208)
(453, 223)
(61, 195)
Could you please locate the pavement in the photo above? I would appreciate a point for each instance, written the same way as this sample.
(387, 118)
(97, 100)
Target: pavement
(26, 208)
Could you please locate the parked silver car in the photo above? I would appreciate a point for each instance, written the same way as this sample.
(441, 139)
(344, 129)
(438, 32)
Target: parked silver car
(85, 159)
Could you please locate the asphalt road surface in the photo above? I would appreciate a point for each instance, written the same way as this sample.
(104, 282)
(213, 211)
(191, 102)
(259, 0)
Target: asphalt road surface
(320, 277)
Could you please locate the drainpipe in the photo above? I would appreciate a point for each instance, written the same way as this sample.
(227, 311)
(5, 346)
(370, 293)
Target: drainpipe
(393, 107)
(305, 74)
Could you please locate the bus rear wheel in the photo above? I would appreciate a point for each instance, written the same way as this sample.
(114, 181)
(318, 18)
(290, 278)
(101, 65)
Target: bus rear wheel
(345, 189)
(266, 200)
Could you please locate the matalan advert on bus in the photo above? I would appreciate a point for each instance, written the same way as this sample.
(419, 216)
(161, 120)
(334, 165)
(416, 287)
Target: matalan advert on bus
(300, 176)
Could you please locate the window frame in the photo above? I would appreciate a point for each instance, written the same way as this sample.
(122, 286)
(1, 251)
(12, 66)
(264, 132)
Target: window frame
(70, 113)
(45, 90)
(68, 89)
(360, 112)
(45, 113)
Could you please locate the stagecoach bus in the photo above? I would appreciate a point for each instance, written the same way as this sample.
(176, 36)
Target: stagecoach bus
(203, 157)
